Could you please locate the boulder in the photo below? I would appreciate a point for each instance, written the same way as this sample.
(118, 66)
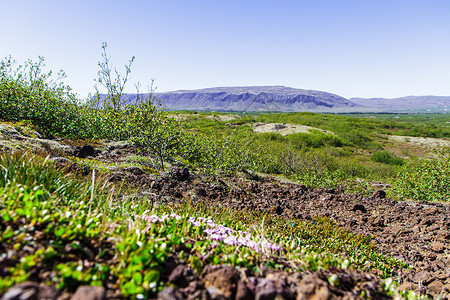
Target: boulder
(84, 151)
(87, 292)
(222, 282)
(11, 138)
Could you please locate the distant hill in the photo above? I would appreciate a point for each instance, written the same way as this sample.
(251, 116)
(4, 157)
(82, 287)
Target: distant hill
(287, 99)
(406, 104)
(254, 98)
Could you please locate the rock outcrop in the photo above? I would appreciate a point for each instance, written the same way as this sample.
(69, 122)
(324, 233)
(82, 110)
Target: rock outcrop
(11, 139)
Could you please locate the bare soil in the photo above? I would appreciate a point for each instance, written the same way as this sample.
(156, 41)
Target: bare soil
(284, 128)
(421, 141)
(223, 118)
(416, 233)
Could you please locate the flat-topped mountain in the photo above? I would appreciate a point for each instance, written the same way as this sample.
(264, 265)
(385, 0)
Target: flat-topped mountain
(409, 103)
(287, 99)
(255, 98)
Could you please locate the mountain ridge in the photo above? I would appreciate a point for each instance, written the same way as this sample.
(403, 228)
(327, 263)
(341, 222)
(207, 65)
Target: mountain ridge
(253, 98)
(287, 99)
(407, 103)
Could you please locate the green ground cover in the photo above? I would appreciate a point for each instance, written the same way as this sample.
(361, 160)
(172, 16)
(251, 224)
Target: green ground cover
(440, 120)
(64, 218)
(68, 220)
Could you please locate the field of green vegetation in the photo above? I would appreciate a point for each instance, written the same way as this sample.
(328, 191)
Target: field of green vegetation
(345, 151)
(81, 232)
(439, 120)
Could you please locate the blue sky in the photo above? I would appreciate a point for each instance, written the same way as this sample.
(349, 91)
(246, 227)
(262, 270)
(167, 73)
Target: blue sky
(353, 48)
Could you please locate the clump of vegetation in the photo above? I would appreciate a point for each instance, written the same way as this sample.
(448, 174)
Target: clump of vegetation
(28, 93)
(385, 157)
(425, 178)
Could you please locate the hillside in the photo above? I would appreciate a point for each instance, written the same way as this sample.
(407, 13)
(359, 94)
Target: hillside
(287, 99)
(409, 103)
(256, 98)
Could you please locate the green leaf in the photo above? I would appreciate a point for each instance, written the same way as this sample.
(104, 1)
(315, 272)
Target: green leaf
(137, 277)
(152, 276)
(59, 231)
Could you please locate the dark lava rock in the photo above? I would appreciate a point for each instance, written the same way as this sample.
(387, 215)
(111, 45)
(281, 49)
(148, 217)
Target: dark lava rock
(312, 287)
(279, 210)
(179, 174)
(436, 286)
(279, 127)
(116, 177)
(87, 292)
(181, 276)
(271, 289)
(193, 288)
(200, 191)
(359, 207)
(29, 290)
(84, 151)
(23, 291)
(377, 221)
(47, 292)
(243, 293)
(251, 175)
(380, 194)
(423, 277)
(134, 170)
(169, 293)
(437, 247)
(221, 281)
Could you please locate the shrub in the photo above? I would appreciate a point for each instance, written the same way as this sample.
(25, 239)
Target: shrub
(426, 178)
(358, 138)
(144, 123)
(386, 158)
(114, 82)
(28, 93)
(225, 153)
(150, 129)
(314, 139)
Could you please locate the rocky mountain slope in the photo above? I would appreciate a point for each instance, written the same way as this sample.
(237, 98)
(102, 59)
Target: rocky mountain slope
(254, 98)
(287, 99)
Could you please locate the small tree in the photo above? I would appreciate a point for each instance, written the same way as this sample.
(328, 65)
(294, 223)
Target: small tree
(143, 122)
(113, 82)
(108, 110)
(156, 133)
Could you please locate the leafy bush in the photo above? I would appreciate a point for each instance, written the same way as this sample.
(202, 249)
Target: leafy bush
(315, 139)
(358, 138)
(225, 153)
(144, 123)
(27, 93)
(426, 178)
(114, 82)
(387, 158)
(154, 132)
